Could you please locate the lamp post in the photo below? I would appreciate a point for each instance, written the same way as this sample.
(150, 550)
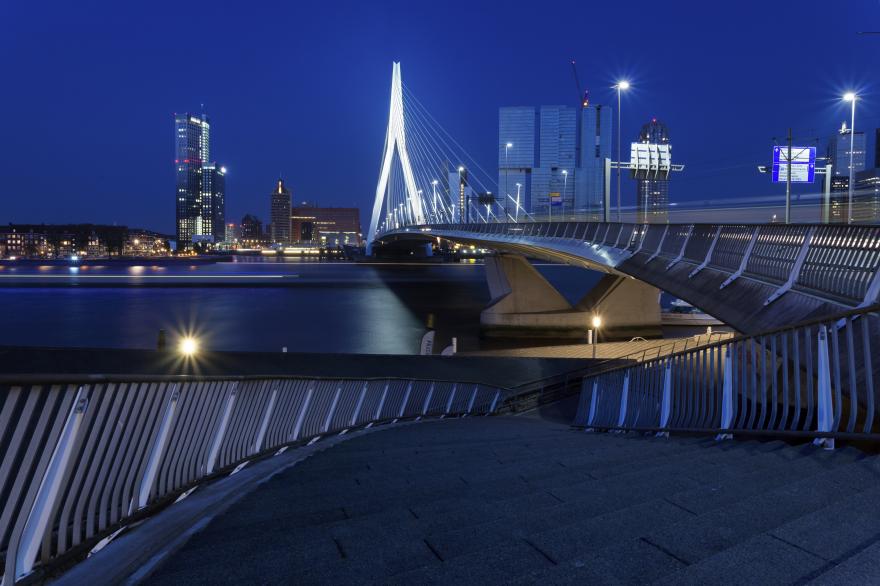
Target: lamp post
(516, 212)
(564, 190)
(434, 200)
(597, 323)
(507, 148)
(622, 85)
(851, 97)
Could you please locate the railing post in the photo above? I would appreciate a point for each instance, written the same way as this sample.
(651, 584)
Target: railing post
(624, 398)
(360, 403)
(494, 402)
(473, 398)
(50, 488)
(302, 412)
(332, 410)
(825, 405)
(221, 431)
(451, 398)
(727, 396)
(745, 260)
(382, 401)
(158, 449)
(593, 404)
(708, 255)
(666, 405)
(427, 402)
(405, 399)
(264, 424)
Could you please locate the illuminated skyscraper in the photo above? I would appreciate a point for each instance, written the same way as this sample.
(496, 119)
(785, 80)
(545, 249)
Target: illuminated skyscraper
(192, 136)
(280, 214)
(201, 183)
(652, 203)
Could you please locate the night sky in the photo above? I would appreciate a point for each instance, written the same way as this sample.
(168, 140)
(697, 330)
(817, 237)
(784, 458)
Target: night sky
(300, 88)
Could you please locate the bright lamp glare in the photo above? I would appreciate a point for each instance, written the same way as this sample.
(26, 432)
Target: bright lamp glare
(624, 85)
(597, 321)
(849, 96)
(509, 145)
(188, 346)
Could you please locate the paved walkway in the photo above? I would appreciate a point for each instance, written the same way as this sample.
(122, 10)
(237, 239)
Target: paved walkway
(523, 501)
(633, 350)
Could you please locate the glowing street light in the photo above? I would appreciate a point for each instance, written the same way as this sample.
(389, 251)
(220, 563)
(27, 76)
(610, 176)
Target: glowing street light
(188, 346)
(564, 190)
(507, 148)
(597, 323)
(851, 97)
(621, 86)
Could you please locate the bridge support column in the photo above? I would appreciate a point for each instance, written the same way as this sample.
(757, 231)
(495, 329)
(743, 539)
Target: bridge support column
(627, 307)
(524, 304)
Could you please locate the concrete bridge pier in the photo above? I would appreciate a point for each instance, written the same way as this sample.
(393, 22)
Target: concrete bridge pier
(525, 304)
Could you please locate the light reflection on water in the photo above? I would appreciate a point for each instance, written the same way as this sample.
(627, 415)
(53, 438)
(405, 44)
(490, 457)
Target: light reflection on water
(329, 307)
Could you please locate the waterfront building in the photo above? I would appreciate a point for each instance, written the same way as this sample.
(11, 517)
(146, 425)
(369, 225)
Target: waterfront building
(214, 201)
(325, 226)
(866, 197)
(252, 231)
(140, 242)
(232, 234)
(652, 194)
(555, 156)
(200, 183)
(839, 198)
(280, 214)
(839, 151)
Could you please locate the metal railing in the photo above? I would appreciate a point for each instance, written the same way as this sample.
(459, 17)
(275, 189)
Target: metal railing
(82, 457)
(835, 262)
(814, 379)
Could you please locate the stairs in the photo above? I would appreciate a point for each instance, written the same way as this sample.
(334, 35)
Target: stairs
(524, 501)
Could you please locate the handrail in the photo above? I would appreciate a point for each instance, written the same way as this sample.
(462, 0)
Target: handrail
(813, 378)
(80, 460)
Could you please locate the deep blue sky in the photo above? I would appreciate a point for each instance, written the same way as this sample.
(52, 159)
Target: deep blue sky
(301, 88)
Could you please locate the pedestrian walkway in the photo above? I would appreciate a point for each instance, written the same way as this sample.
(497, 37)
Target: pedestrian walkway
(526, 501)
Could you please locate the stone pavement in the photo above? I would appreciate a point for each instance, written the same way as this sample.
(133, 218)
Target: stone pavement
(528, 501)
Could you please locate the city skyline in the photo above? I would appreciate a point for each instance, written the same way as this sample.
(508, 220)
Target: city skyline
(122, 121)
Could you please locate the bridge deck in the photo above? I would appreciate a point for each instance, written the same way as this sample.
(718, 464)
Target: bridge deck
(523, 500)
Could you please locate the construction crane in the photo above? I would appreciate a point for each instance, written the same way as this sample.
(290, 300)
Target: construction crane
(583, 96)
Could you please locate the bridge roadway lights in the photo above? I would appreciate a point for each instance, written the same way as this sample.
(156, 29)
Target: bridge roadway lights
(524, 304)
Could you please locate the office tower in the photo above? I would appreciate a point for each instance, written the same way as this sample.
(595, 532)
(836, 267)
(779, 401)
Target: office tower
(192, 136)
(325, 226)
(201, 183)
(556, 155)
(214, 201)
(652, 203)
(595, 147)
(517, 127)
(876, 150)
(280, 214)
(838, 151)
(251, 230)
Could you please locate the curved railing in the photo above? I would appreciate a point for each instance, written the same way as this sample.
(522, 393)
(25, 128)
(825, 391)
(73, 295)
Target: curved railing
(815, 379)
(82, 456)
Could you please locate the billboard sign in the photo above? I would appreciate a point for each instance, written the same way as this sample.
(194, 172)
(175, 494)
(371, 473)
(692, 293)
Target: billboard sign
(802, 164)
(650, 161)
(555, 199)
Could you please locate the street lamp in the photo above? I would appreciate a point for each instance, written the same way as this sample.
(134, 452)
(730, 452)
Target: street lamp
(564, 190)
(434, 201)
(188, 346)
(621, 86)
(507, 148)
(851, 97)
(516, 212)
(597, 323)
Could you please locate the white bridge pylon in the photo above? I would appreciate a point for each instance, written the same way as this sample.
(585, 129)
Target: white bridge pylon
(395, 137)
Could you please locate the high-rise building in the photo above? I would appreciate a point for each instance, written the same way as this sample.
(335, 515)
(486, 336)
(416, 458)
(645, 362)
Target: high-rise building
(280, 214)
(325, 226)
(554, 156)
(214, 201)
(652, 203)
(201, 183)
(251, 231)
(192, 136)
(839, 151)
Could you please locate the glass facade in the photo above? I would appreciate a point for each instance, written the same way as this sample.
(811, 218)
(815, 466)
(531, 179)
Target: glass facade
(280, 214)
(652, 203)
(200, 184)
(556, 155)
